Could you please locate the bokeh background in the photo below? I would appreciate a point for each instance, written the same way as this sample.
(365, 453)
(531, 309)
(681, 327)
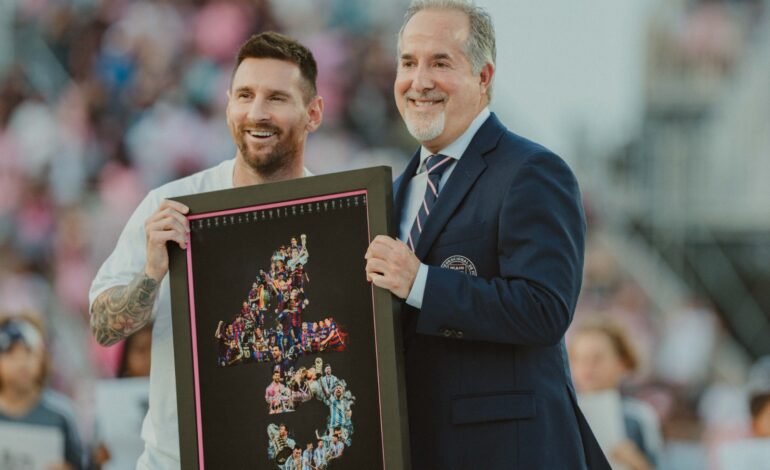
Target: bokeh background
(662, 108)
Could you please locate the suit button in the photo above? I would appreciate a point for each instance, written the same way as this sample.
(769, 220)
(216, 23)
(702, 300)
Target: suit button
(459, 334)
(446, 332)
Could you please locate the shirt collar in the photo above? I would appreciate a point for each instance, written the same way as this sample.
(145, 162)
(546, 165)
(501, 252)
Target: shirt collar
(457, 148)
(230, 170)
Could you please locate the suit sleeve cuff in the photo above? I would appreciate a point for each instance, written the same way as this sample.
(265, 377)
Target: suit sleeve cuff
(418, 287)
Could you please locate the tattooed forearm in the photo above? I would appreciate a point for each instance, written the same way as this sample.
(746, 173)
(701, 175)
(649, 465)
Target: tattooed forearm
(121, 310)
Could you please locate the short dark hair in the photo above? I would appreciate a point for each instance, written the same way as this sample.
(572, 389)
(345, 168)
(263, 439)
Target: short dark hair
(272, 45)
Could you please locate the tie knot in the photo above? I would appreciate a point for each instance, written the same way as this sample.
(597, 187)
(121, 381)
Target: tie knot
(437, 164)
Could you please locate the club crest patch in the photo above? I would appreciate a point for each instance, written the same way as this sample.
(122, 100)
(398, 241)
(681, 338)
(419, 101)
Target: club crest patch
(460, 263)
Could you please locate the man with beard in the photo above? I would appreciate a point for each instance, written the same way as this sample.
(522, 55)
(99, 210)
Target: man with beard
(253, 296)
(320, 455)
(295, 461)
(335, 447)
(280, 445)
(272, 107)
(275, 392)
(328, 381)
(306, 339)
(280, 360)
(489, 262)
(307, 457)
(340, 412)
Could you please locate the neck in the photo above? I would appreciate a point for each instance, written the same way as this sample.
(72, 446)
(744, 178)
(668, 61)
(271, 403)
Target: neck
(18, 402)
(245, 175)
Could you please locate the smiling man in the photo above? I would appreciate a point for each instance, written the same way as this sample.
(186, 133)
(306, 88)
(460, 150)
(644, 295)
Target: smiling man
(272, 107)
(489, 263)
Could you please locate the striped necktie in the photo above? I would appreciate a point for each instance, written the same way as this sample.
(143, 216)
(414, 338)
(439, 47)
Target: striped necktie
(435, 166)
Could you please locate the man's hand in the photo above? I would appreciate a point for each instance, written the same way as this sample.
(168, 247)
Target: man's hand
(390, 264)
(120, 311)
(167, 223)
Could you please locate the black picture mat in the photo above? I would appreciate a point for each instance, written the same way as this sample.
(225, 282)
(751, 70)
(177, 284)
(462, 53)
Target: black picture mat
(335, 289)
(334, 285)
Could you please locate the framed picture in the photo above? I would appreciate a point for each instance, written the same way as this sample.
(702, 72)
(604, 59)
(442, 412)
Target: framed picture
(286, 356)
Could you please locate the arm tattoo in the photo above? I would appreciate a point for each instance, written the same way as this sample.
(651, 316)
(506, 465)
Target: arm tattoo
(122, 310)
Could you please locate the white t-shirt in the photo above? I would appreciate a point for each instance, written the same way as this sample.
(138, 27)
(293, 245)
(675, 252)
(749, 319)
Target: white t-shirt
(160, 430)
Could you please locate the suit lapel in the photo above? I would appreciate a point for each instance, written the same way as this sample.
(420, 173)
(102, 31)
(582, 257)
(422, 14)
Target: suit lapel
(468, 169)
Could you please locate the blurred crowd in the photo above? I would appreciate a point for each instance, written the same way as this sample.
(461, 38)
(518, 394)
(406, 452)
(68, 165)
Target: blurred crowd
(102, 100)
(697, 388)
(105, 99)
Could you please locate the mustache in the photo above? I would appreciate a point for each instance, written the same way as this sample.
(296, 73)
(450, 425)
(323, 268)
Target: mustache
(430, 95)
(260, 127)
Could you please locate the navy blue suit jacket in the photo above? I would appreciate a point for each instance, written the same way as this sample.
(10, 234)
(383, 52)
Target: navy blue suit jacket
(488, 384)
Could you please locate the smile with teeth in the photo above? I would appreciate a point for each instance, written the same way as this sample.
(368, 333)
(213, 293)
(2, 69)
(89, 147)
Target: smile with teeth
(425, 103)
(261, 134)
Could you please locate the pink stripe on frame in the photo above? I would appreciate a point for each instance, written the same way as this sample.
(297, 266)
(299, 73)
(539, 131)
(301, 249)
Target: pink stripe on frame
(194, 335)
(425, 205)
(275, 204)
(419, 226)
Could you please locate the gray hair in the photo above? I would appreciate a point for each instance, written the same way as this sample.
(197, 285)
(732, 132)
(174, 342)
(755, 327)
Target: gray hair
(480, 46)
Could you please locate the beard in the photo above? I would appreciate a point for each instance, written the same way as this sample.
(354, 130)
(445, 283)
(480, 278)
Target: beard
(424, 126)
(284, 152)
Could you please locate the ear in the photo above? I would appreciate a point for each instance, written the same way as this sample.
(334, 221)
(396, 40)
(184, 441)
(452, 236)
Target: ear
(485, 77)
(227, 105)
(315, 112)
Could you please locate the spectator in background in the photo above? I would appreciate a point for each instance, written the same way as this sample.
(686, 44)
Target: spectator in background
(759, 398)
(134, 362)
(753, 452)
(24, 398)
(601, 357)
